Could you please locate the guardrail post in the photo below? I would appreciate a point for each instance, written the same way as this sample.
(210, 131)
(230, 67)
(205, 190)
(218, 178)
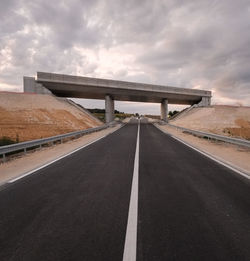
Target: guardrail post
(24, 146)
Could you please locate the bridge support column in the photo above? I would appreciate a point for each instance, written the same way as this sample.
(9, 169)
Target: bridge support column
(164, 110)
(109, 109)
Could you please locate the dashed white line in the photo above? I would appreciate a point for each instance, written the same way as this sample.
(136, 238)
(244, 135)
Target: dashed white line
(129, 253)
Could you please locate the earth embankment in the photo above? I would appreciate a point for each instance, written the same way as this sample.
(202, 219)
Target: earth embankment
(219, 119)
(32, 116)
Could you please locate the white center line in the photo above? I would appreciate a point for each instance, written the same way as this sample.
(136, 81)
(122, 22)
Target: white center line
(129, 253)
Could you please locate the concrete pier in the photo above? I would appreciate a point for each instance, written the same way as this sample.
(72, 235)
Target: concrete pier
(164, 110)
(109, 108)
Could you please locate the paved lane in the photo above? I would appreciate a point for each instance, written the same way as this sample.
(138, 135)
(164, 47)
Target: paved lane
(74, 209)
(190, 208)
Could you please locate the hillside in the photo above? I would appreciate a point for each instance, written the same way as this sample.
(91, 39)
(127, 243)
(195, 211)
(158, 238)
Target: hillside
(32, 116)
(219, 119)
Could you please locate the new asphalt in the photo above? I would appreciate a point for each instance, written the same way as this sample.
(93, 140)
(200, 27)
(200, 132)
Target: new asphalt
(189, 207)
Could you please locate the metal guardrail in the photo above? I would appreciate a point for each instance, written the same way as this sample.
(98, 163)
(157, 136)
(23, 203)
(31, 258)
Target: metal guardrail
(217, 137)
(23, 146)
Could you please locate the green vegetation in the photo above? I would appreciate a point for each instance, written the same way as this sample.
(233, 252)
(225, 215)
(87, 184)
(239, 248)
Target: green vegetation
(103, 111)
(156, 117)
(7, 141)
(172, 113)
(100, 114)
(121, 116)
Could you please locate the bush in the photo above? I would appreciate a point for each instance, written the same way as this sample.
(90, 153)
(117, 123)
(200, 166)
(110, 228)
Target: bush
(6, 141)
(172, 113)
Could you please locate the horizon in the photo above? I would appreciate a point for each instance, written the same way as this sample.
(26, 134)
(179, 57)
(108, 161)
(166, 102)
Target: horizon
(169, 43)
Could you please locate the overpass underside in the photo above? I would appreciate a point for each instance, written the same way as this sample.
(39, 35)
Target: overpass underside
(110, 90)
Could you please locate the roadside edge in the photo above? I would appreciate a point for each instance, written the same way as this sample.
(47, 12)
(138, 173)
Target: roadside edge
(22, 175)
(210, 156)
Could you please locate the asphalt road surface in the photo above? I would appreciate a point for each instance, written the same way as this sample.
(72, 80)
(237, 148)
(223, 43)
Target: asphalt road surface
(189, 207)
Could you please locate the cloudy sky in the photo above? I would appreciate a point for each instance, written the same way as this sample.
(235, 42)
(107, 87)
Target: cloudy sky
(201, 44)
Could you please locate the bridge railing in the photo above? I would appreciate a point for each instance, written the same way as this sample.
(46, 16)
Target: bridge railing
(235, 141)
(24, 146)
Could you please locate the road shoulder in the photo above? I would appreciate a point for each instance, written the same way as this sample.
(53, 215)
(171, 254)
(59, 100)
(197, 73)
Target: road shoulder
(232, 155)
(36, 159)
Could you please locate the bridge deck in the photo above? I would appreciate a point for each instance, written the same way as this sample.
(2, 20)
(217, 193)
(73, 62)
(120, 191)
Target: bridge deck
(93, 88)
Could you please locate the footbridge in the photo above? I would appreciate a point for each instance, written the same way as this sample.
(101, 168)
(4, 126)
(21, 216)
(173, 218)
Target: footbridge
(110, 90)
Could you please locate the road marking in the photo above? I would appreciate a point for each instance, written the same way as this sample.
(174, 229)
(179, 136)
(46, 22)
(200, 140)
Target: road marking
(213, 158)
(66, 155)
(129, 253)
(218, 160)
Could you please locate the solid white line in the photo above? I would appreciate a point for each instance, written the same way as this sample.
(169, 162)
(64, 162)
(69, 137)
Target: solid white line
(218, 160)
(213, 158)
(66, 155)
(129, 253)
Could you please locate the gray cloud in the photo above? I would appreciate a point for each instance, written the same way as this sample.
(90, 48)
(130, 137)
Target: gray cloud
(68, 23)
(179, 43)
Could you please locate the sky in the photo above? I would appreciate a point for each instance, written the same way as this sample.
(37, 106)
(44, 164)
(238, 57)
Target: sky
(201, 44)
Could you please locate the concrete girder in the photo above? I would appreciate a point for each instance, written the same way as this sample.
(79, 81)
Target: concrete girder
(94, 88)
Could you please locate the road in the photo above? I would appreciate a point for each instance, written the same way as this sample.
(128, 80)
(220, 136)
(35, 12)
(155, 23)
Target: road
(189, 207)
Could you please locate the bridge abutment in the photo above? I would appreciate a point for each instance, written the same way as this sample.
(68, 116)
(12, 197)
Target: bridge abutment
(109, 108)
(205, 101)
(164, 110)
(31, 86)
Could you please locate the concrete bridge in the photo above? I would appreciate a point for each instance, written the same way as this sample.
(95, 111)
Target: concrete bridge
(110, 90)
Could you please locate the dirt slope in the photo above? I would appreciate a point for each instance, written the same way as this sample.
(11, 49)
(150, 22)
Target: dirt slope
(33, 116)
(219, 119)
